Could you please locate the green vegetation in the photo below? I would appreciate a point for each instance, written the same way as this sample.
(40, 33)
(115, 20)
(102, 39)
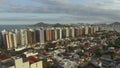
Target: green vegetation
(116, 44)
(45, 64)
(80, 53)
(99, 52)
(2, 49)
(71, 48)
(12, 52)
(112, 54)
(53, 66)
(79, 66)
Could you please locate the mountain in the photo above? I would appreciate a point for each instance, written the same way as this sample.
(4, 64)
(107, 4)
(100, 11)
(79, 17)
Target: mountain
(42, 24)
(115, 23)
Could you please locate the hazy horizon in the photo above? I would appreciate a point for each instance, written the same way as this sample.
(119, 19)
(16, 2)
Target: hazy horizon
(59, 11)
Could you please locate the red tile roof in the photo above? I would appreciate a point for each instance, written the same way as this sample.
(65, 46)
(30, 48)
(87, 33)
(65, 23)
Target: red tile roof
(32, 59)
(3, 56)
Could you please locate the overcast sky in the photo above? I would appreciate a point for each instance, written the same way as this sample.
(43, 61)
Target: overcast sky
(59, 11)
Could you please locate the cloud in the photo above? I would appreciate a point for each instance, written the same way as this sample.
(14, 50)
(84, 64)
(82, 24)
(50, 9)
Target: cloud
(83, 10)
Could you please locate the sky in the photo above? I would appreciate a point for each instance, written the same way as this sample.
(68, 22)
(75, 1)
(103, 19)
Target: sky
(59, 11)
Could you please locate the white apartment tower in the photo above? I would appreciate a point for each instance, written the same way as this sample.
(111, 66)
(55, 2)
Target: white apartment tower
(42, 36)
(86, 30)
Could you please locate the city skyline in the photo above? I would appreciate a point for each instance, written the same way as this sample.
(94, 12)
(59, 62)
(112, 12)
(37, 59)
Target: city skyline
(59, 11)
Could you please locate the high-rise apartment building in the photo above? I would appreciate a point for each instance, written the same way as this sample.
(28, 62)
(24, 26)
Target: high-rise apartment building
(18, 34)
(37, 35)
(76, 32)
(42, 36)
(60, 31)
(10, 40)
(56, 34)
(67, 32)
(72, 32)
(48, 35)
(31, 37)
(92, 29)
(52, 34)
(23, 37)
(0, 39)
(14, 40)
(63, 33)
(4, 39)
(80, 31)
(86, 30)
(96, 28)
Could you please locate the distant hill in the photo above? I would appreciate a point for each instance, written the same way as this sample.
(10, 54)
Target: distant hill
(115, 23)
(42, 24)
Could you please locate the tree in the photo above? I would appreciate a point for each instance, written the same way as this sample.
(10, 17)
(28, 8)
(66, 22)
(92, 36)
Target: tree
(45, 64)
(80, 53)
(53, 66)
(112, 54)
(99, 52)
(79, 66)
